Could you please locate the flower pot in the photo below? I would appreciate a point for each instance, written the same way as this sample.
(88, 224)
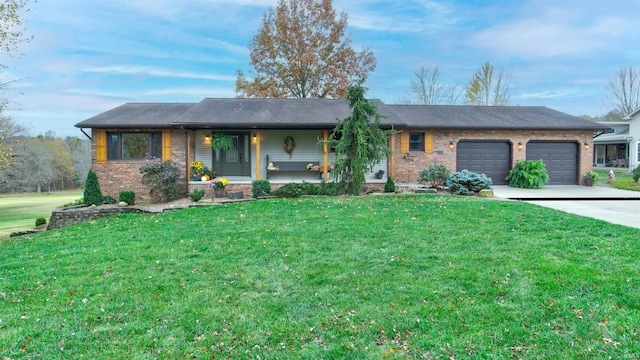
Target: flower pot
(588, 182)
(218, 192)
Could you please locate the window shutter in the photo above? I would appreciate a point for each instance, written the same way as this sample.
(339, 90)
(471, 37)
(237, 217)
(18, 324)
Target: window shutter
(166, 145)
(101, 146)
(428, 142)
(404, 142)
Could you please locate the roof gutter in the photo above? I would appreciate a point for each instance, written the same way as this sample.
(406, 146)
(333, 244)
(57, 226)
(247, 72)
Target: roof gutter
(85, 134)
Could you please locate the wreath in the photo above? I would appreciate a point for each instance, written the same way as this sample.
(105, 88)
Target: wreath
(288, 145)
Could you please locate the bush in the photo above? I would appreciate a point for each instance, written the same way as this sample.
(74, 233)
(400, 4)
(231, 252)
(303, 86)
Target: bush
(435, 175)
(636, 173)
(309, 189)
(128, 196)
(466, 182)
(75, 203)
(196, 194)
(528, 174)
(41, 221)
(162, 177)
(108, 200)
(331, 188)
(260, 188)
(291, 190)
(390, 186)
(92, 193)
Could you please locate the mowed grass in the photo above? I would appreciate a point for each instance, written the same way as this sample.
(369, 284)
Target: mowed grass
(20, 211)
(624, 179)
(435, 277)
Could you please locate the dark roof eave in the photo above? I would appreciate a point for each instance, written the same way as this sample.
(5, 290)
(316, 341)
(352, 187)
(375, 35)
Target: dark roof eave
(124, 126)
(307, 126)
(590, 128)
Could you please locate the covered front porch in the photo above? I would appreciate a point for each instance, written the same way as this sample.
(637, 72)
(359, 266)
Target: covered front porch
(280, 155)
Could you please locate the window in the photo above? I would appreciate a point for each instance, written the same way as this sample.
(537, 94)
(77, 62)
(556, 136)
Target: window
(416, 141)
(134, 146)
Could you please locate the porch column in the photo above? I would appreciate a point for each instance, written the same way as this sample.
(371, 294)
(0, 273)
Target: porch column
(325, 150)
(392, 159)
(257, 138)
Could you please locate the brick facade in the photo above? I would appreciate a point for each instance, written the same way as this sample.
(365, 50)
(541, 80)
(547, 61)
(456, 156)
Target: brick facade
(409, 165)
(118, 175)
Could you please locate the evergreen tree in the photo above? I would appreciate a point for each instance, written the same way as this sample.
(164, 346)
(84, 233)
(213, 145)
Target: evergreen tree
(92, 192)
(359, 143)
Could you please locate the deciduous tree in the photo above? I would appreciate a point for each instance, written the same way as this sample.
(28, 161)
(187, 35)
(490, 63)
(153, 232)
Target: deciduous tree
(428, 89)
(11, 35)
(624, 91)
(302, 50)
(359, 142)
(485, 89)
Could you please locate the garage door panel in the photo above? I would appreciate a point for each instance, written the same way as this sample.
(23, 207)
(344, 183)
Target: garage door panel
(492, 158)
(560, 159)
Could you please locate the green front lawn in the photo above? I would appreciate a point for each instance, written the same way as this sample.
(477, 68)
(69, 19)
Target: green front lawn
(20, 211)
(623, 180)
(434, 277)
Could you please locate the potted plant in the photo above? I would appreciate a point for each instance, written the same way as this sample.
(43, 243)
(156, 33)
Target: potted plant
(590, 178)
(379, 174)
(218, 185)
(222, 141)
(197, 169)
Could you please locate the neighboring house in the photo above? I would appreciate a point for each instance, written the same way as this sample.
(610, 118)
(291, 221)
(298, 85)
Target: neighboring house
(619, 144)
(484, 139)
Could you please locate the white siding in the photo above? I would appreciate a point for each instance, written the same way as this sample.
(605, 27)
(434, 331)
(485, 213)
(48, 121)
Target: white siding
(203, 148)
(307, 149)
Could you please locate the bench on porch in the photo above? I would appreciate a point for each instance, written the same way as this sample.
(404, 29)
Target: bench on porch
(289, 166)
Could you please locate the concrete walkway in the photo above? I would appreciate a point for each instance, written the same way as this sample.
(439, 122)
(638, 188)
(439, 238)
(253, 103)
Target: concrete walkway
(599, 202)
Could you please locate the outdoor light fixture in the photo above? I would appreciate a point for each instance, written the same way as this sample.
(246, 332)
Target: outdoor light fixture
(451, 145)
(206, 138)
(586, 146)
(519, 146)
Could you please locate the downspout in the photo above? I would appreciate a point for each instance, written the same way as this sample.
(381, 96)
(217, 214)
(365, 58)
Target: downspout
(85, 134)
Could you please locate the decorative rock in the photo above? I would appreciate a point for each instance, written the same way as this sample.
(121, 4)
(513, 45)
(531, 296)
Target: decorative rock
(426, 191)
(235, 194)
(122, 204)
(485, 193)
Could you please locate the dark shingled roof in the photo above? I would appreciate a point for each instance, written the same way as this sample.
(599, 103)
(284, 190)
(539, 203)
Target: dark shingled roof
(490, 118)
(137, 115)
(322, 113)
(274, 113)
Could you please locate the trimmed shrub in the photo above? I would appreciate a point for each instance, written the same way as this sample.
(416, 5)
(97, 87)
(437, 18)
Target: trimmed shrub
(41, 221)
(196, 194)
(92, 193)
(162, 178)
(466, 182)
(260, 188)
(309, 189)
(528, 174)
(390, 186)
(636, 173)
(291, 190)
(108, 200)
(128, 196)
(331, 188)
(435, 175)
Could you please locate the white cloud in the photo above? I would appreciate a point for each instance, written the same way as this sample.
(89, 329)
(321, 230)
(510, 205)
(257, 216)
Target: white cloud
(157, 72)
(553, 33)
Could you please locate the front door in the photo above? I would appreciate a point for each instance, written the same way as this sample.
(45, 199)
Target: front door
(234, 162)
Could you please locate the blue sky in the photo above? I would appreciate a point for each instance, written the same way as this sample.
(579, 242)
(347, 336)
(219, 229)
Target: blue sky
(90, 56)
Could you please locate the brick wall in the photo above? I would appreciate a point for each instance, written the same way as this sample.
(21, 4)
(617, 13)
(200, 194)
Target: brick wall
(118, 175)
(409, 165)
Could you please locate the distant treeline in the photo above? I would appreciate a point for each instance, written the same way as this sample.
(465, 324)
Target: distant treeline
(46, 163)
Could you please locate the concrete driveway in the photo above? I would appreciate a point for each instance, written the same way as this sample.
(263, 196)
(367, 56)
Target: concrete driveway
(599, 202)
